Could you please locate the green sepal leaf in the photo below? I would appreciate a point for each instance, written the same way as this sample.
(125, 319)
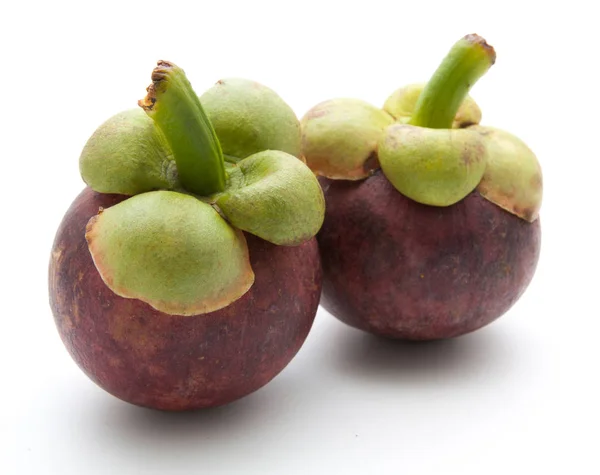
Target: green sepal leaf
(171, 251)
(249, 117)
(274, 196)
(436, 167)
(339, 138)
(513, 176)
(128, 155)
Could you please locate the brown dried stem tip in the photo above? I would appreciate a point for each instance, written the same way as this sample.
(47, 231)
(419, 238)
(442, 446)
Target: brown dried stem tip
(176, 110)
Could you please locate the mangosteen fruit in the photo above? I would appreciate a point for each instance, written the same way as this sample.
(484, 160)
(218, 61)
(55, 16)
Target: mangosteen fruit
(182, 277)
(432, 223)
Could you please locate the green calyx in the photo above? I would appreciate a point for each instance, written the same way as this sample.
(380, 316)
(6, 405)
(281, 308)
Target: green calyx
(172, 251)
(339, 138)
(436, 167)
(427, 140)
(178, 242)
(430, 161)
(274, 196)
(249, 118)
(128, 155)
(513, 176)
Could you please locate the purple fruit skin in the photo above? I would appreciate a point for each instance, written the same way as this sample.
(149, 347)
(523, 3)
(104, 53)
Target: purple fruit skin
(177, 363)
(400, 269)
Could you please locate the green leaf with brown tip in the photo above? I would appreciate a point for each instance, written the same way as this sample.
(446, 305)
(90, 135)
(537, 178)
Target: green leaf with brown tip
(339, 138)
(128, 155)
(513, 176)
(402, 102)
(171, 251)
(249, 118)
(275, 196)
(432, 166)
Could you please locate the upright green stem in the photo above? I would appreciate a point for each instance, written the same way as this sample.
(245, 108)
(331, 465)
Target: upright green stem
(175, 108)
(467, 61)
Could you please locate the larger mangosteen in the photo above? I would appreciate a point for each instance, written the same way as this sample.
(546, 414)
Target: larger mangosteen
(179, 279)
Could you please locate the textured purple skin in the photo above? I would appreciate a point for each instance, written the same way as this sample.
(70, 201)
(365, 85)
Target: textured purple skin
(400, 269)
(177, 363)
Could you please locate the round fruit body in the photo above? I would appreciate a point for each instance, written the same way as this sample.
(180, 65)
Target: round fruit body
(172, 362)
(400, 269)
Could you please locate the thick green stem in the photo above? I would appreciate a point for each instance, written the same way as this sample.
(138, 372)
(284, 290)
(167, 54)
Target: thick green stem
(467, 61)
(175, 108)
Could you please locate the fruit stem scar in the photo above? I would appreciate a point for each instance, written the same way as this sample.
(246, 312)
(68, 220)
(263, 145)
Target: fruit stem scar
(176, 110)
(465, 63)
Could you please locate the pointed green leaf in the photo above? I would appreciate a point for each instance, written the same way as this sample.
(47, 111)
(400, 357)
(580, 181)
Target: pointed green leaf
(128, 155)
(171, 251)
(275, 196)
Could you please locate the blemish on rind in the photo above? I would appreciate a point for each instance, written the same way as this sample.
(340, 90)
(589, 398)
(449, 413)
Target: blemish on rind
(316, 112)
(57, 254)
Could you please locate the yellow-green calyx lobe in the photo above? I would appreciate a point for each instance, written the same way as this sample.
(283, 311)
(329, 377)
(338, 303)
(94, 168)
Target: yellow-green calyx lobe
(128, 155)
(440, 173)
(274, 196)
(178, 242)
(249, 117)
(172, 251)
(339, 138)
(513, 176)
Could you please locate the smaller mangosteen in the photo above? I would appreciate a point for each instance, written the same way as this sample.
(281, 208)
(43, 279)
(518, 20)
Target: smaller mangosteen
(431, 228)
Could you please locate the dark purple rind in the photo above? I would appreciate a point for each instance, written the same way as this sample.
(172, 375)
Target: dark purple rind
(177, 363)
(400, 269)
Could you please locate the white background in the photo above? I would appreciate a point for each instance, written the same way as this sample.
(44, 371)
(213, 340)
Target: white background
(520, 396)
